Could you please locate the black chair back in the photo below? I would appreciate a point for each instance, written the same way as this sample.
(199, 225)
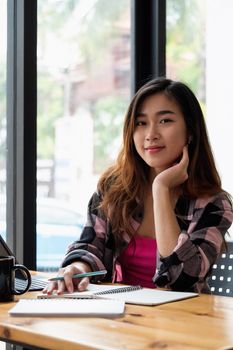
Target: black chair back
(221, 280)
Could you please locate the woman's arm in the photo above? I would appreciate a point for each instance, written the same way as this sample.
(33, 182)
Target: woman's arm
(187, 251)
(164, 191)
(204, 223)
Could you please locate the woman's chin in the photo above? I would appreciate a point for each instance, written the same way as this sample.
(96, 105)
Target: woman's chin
(158, 166)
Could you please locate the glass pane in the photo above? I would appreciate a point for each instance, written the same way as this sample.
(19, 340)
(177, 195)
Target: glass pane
(3, 44)
(186, 43)
(83, 92)
(198, 53)
(3, 37)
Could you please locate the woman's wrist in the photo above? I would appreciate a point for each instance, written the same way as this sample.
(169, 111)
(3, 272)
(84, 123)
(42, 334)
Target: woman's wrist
(159, 189)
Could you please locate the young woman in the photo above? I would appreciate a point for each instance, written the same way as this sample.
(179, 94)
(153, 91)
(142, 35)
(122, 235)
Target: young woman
(159, 215)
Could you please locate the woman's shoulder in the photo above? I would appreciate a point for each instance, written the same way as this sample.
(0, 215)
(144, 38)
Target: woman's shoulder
(96, 196)
(220, 200)
(94, 201)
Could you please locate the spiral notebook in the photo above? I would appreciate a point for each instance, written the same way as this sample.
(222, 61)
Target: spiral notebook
(68, 307)
(128, 294)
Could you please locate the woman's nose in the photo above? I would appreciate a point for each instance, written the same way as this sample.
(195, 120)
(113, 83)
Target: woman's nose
(152, 133)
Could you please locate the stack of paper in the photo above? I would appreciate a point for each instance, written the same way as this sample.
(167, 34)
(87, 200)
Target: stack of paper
(68, 307)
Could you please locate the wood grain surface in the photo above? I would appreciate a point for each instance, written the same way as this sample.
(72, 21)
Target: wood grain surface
(204, 322)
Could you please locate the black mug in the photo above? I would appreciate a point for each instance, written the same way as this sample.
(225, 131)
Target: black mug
(7, 278)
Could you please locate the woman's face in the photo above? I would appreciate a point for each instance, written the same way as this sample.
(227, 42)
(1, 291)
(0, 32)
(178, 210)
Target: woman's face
(160, 132)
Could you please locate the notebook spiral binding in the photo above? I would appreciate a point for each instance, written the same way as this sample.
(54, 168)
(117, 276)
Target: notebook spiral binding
(119, 290)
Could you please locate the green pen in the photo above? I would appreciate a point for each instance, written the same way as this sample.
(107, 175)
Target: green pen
(81, 275)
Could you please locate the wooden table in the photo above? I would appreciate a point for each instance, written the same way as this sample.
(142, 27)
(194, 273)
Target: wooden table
(205, 322)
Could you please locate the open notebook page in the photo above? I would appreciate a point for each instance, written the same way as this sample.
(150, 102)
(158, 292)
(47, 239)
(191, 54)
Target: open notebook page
(128, 294)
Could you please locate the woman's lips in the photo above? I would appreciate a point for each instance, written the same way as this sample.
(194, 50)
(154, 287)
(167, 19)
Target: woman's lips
(154, 149)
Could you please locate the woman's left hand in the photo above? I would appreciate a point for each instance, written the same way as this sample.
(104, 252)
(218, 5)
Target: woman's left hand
(174, 175)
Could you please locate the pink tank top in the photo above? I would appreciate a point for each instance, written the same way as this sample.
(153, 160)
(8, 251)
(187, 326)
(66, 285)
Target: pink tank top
(138, 262)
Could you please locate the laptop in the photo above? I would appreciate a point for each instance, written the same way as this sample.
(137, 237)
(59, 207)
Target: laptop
(38, 282)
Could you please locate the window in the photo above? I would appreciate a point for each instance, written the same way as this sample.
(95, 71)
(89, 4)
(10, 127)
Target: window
(199, 53)
(84, 68)
(3, 38)
(83, 92)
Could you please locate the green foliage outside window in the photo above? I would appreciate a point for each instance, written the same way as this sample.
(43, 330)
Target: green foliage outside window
(185, 50)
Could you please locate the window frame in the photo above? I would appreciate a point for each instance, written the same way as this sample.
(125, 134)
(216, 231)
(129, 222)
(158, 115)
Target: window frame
(148, 33)
(21, 129)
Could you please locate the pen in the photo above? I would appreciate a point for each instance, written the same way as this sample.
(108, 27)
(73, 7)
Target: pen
(81, 275)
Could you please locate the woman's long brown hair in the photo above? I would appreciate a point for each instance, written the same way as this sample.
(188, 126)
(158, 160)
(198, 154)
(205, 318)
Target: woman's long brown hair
(122, 185)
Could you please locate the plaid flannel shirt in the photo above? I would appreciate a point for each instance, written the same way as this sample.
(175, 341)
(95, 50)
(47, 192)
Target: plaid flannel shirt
(203, 223)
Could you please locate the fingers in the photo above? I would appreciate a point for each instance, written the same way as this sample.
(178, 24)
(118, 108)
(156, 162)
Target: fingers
(68, 283)
(51, 286)
(182, 174)
(61, 286)
(83, 284)
(185, 157)
(68, 273)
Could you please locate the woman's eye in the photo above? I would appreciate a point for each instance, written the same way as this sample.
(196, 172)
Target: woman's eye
(140, 123)
(165, 120)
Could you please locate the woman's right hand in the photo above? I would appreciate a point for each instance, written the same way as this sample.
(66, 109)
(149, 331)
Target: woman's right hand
(69, 284)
